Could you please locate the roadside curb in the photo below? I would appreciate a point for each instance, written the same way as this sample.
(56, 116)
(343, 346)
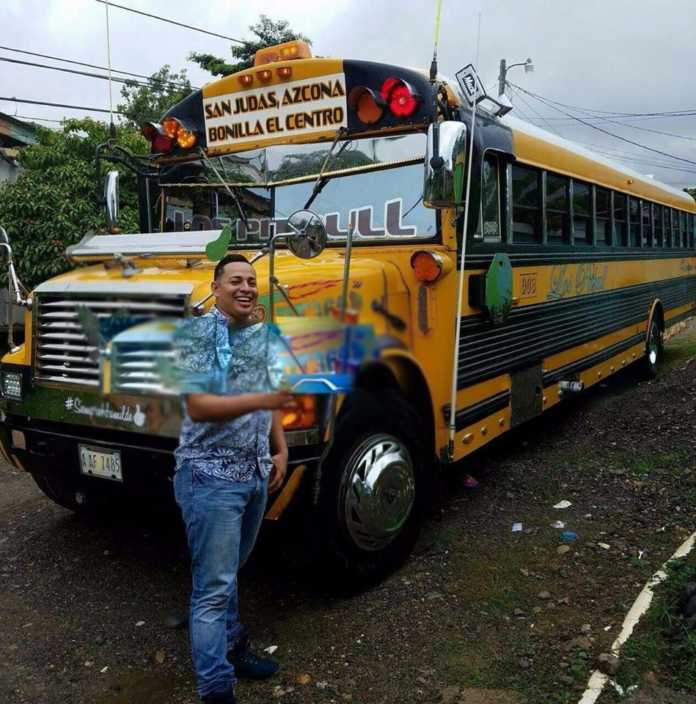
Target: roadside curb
(598, 679)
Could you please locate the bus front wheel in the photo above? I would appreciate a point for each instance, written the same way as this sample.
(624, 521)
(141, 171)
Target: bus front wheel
(372, 490)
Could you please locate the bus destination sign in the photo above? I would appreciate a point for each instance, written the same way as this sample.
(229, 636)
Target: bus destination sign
(292, 109)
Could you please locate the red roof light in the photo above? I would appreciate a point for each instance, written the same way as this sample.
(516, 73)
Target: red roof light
(400, 97)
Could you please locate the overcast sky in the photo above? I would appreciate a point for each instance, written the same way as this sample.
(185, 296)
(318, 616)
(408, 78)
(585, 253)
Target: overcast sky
(611, 55)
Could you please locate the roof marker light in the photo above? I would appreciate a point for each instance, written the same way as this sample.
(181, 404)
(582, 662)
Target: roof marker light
(264, 75)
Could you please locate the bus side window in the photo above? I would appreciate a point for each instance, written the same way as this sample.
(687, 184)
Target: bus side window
(582, 211)
(692, 230)
(557, 212)
(657, 226)
(526, 205)
(634, 214)
(602, 217)
(489, 226)
(620, 219)
(676, 236)
(647, 224)
(683, 234)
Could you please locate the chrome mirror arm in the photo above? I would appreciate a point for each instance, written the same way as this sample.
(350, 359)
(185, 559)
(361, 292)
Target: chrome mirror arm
(14, 289)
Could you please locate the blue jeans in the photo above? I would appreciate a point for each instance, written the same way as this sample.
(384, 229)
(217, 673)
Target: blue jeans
(222, 520)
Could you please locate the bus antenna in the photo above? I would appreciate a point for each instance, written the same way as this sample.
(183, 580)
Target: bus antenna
(112, 127)
(436, 39)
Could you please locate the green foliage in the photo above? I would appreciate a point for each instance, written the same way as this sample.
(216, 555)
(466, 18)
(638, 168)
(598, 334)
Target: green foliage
(147, 103)
(302, 164)
(53, 203)
(691, 192)
(268, 33)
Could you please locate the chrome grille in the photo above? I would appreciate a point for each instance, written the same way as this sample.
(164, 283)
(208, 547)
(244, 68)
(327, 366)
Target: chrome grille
(142, 368)
(62, 352)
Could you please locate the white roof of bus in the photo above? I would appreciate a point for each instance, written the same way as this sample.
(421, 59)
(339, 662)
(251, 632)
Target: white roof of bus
(515, 123)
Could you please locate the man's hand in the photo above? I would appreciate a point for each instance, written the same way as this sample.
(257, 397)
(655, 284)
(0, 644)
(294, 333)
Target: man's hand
(280, 467)
(279, 400)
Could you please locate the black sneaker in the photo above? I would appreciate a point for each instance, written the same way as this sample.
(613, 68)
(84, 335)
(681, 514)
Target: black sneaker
(248, 665)
(220, 698)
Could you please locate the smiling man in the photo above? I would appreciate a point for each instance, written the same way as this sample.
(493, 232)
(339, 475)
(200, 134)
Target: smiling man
(231, 453)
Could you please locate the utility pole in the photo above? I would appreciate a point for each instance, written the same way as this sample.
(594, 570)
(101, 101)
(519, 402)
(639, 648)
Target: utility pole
(501, 77)
(504, 68)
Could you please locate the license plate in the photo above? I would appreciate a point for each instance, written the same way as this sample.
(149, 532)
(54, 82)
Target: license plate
(100, 462)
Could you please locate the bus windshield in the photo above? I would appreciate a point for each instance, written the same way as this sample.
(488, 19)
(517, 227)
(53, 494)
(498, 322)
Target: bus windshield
(373, 185)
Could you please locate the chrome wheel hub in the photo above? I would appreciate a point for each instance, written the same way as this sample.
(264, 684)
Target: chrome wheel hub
(377, 492)
(654, 346)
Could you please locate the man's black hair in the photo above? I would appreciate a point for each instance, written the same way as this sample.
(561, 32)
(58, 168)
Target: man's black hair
(228, 259)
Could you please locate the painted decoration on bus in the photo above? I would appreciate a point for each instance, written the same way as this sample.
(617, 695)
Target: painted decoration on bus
(297, 108)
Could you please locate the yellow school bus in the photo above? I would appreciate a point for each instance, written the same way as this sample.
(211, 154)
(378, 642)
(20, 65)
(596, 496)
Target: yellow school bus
(502, 270)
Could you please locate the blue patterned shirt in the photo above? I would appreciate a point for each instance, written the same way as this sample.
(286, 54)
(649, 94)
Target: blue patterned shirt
(215, 356)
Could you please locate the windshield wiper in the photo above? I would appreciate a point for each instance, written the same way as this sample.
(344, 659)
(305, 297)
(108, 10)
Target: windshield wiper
(231, 191)
(321, 179)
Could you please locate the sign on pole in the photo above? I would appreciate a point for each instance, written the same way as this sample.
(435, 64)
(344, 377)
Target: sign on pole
(470, 84)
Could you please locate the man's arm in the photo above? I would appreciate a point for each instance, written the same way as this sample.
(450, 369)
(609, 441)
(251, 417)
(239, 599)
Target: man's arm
(213, 407)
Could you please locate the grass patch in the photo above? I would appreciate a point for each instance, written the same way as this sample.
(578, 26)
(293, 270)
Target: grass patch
(676, 463)
(662, 643)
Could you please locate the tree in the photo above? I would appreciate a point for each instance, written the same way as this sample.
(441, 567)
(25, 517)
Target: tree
(302, 164)
(53, 205)
(268, 33)
(147, 103)
(691, 192)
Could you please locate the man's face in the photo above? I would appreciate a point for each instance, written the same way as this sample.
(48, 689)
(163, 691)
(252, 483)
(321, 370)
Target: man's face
(235, 291)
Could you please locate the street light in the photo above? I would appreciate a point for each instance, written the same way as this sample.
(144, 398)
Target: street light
(504, 68)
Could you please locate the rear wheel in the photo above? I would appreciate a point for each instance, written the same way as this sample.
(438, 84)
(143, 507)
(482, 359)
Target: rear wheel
(654, 348)
(373, 490)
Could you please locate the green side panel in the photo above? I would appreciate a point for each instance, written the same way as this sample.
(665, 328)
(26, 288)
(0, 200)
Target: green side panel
(498, 297)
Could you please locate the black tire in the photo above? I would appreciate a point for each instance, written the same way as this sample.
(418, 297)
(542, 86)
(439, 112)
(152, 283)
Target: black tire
(654, 350)
(359, 544)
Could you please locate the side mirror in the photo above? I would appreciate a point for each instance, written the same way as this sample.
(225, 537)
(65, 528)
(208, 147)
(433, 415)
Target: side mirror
(307, 236)
(445, 171)
(111, 200)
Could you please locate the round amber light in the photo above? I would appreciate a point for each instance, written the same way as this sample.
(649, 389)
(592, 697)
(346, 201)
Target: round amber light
(185, 138)
(426, 267)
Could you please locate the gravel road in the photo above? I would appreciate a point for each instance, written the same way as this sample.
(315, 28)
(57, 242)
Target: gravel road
(480, 614)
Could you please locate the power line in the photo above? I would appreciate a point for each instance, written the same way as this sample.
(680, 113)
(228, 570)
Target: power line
(640, 158)
(688, 111)
(69, 70)
(165, 19)
(606, 119)
(603, 131)
(58, 105)
(539, 117)
(647, 129)
(88, 74)
(620, 119)
(82, 63)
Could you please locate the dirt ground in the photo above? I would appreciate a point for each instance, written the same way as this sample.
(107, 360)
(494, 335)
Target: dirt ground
(479, 615)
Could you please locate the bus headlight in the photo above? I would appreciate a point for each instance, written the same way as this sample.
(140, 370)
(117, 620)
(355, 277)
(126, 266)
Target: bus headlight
(12, 385)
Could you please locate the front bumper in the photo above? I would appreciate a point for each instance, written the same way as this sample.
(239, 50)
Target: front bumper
(147, 461)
